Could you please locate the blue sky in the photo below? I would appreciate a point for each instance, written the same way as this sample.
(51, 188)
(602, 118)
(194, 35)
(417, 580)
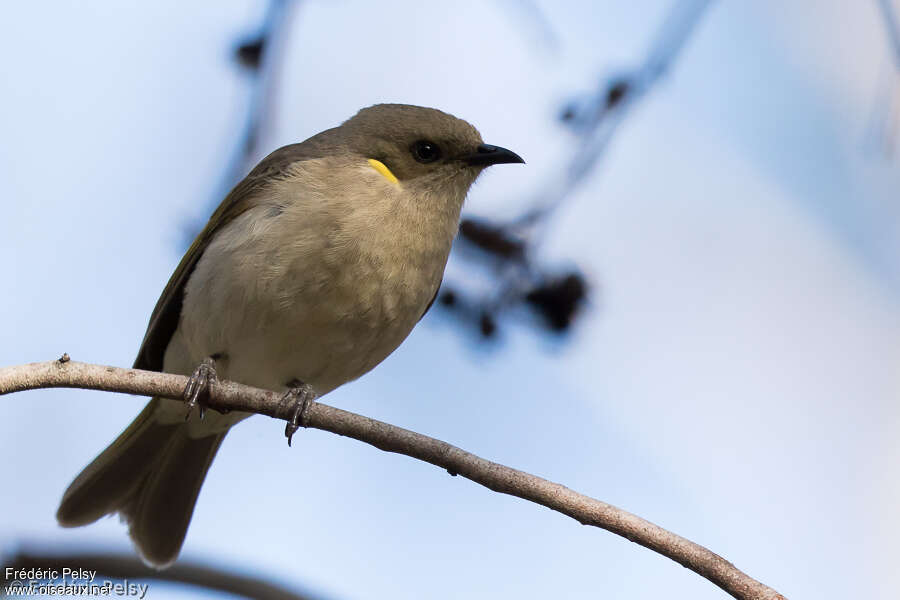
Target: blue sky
(734, 379)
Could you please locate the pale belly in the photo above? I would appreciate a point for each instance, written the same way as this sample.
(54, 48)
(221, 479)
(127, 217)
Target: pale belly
(276, 315)
(314, 343)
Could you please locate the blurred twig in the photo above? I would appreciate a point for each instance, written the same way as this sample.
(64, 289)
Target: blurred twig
(535, 22)
(885, 119)
(594, 120)
(889, 14)
(881, 130)
(260, 56)
(227, 395)
(118, 567)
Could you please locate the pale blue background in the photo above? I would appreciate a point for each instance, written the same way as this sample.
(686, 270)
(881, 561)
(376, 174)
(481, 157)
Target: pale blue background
(735, 378)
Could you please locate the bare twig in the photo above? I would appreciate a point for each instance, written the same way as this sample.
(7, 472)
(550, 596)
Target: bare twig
(227, 395)
(885, 116)
(534, 23)
(264, 64)
(893, 28)
(595, 119)
(118, 567)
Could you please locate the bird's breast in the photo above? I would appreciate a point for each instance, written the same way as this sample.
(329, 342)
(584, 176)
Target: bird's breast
(321, 290)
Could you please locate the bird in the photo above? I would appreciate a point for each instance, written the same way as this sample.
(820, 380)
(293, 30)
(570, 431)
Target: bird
(313, 269)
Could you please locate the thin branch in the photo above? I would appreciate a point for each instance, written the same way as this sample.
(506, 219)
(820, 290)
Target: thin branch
(263, 81)
(595, 120)
(598, 119)
(227, 395)
(886, 113)
(118, 567)
(535, 23)
(893, 28)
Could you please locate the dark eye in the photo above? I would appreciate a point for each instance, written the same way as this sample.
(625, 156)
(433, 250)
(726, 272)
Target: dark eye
(425, 151)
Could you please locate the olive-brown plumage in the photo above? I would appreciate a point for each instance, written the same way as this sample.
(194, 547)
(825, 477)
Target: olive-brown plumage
(314, 268)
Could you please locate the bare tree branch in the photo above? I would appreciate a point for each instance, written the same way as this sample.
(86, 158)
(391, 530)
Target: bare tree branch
(893, 28)
(595, 119)
(117, 567)
(227, 395)
(262, 55)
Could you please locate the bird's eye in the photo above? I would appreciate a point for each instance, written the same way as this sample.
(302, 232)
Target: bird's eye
(425, 151)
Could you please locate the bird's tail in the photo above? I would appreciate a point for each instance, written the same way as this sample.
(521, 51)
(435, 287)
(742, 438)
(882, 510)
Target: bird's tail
(151, 474)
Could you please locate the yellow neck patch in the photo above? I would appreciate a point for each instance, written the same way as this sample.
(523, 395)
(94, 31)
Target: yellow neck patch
(382, 168)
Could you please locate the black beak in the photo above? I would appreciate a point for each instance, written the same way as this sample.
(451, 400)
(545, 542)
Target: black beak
(491, 155)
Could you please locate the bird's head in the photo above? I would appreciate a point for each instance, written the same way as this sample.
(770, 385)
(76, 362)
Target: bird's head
(422, 148)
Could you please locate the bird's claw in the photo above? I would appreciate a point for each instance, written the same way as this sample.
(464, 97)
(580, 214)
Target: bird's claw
(301, 396)
(198, 385)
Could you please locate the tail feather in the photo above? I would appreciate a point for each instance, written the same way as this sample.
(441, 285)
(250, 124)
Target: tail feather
(160, 512)
(102, 487)
(151, 474)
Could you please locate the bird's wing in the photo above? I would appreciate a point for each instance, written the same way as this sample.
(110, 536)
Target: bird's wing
(243, 197)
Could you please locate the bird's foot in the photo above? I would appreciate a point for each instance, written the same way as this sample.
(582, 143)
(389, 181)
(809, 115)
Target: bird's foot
(301, 396)
(197, 389)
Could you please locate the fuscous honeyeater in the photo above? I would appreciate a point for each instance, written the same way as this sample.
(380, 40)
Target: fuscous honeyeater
(312, 271)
